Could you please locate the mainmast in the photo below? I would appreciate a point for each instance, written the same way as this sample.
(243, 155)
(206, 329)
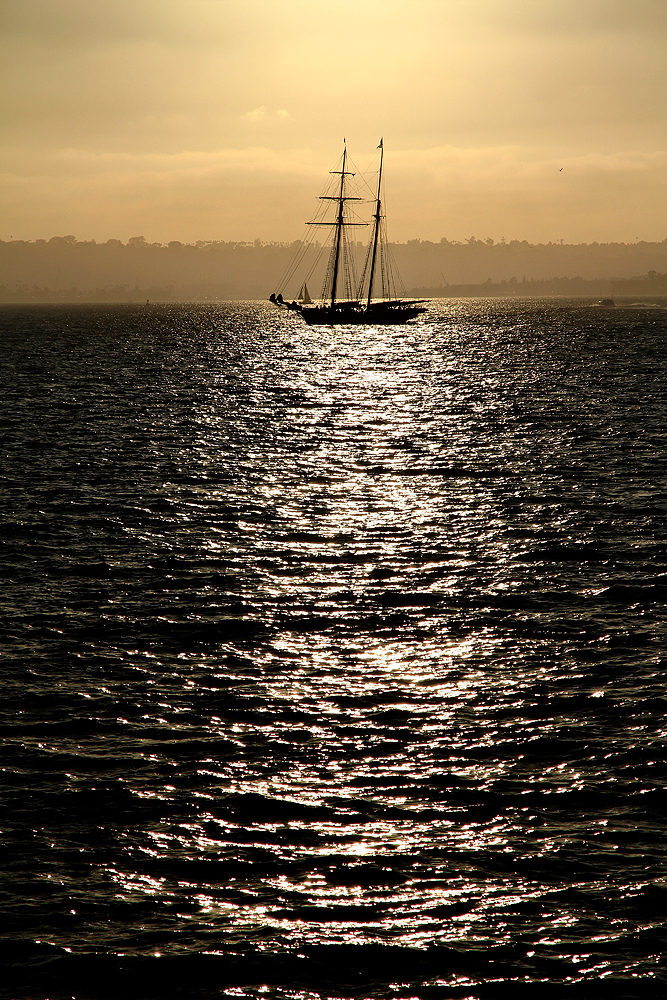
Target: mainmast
(376, 229)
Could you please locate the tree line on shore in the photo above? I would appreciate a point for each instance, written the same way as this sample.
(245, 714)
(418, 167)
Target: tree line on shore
(64, 269)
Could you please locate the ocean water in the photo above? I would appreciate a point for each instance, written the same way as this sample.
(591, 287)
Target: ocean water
(333, 660)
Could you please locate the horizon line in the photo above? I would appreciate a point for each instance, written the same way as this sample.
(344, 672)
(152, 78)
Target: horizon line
(141, 241)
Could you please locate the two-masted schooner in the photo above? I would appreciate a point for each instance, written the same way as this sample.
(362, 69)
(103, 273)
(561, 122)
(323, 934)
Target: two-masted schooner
(343, 300)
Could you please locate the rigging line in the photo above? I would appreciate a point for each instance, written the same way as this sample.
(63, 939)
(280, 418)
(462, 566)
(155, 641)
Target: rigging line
(362, 181)
(397, 280)
(306, 243)
(307, 240)
(328, 274)
(295, 262)
(314, 265)
(292, 273)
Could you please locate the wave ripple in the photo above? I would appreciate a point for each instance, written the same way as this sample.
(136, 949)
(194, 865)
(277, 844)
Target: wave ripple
(333, 661)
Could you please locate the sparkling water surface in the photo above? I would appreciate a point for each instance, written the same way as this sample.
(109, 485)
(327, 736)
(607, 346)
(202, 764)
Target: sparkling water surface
(333, 659)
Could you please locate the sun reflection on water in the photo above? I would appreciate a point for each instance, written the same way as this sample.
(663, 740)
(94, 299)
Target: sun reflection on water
(363, 646)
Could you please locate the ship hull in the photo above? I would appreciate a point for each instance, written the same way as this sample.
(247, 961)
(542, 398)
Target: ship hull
(377, 315)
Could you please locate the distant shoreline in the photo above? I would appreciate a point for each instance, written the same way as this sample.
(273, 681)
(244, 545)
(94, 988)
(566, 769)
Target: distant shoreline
(466, 292)
(66, 270)
(647, 286)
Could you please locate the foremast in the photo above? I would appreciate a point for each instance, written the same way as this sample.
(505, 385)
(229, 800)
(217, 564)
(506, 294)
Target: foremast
(338, 250)
(340, 221)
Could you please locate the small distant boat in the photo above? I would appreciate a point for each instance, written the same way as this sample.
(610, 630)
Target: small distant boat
(341, 301)
(607, 303)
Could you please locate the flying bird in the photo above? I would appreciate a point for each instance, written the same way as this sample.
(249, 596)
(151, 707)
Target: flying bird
(560, 171)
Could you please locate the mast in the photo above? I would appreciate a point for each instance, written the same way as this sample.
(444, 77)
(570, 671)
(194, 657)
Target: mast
(376, 230)
(339, 228)
(339, 247)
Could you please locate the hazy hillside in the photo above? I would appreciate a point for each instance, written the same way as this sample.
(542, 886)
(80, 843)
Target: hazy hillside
(64, 269)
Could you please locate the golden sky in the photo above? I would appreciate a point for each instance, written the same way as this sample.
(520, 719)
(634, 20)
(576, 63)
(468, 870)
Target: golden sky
(219, 119)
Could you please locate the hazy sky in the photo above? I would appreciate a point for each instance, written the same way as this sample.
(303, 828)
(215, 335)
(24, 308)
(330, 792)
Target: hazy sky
(219, 119)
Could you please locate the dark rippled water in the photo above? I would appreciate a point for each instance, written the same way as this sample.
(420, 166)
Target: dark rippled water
(333, 661)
